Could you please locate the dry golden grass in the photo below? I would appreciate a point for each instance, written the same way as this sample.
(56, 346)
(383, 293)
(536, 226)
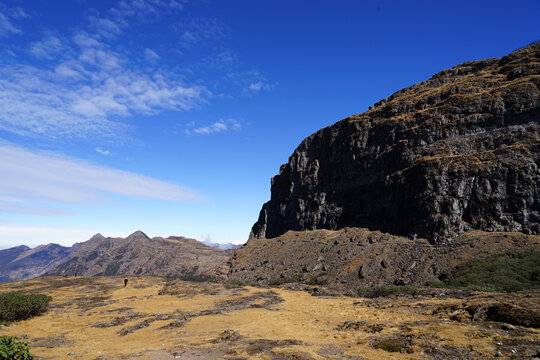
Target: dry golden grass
(180, 320)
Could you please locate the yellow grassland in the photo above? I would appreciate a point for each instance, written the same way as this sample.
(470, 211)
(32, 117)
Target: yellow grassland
(305, 325)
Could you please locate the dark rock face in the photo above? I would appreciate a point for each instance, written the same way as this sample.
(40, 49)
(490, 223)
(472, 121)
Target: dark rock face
(457, 152)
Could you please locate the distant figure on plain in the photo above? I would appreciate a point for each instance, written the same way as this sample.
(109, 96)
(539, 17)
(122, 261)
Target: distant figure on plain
(125, 281)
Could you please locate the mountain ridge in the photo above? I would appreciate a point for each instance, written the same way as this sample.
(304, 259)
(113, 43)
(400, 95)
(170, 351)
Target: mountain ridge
(100, 255)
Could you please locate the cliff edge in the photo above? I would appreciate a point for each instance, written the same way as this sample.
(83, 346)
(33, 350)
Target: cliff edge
(457, 152)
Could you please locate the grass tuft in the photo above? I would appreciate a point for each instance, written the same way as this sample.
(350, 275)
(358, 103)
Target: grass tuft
(234, 283)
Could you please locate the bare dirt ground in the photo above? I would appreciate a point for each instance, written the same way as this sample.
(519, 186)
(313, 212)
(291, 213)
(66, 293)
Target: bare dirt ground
(155, 319)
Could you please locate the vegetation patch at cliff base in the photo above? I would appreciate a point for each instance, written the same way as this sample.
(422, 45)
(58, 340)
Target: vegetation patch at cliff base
(503, 273)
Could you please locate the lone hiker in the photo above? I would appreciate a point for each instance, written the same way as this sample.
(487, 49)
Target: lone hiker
(125, 281)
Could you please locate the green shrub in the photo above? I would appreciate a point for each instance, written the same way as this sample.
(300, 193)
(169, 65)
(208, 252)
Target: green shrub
(383, 291)
(316, 279)
(12, 349)
(500, 274)
(393, 345)
(16, 306)
(234, 283)
(284, 280)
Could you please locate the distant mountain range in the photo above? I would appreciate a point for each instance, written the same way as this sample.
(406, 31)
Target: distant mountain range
(135, 255)
(22, 262)
(227, 246)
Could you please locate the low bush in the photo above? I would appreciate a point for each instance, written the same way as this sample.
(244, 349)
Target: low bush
(383, 291)
(505, 273)
(234, 283)
(284, 280)
(16, 306)
(394, 345)
(316, 279)
(12, 349)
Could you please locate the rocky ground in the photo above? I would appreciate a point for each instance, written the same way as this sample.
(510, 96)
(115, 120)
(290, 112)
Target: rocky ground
(155, 318)
(350, 258)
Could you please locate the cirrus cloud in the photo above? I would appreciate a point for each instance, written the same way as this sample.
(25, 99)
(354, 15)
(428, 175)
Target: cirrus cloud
(88, 84)
(217, 127)
(31, 177)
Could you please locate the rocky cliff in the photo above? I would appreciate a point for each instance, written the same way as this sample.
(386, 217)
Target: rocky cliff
(457, 152)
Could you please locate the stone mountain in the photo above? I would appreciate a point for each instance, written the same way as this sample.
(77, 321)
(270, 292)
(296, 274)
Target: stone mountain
(139, 255)
(457, 152)
(440, 172)
(136, 254)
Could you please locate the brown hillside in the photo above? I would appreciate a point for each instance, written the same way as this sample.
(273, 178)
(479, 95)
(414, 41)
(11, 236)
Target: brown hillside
(351, 258)
(139, 255)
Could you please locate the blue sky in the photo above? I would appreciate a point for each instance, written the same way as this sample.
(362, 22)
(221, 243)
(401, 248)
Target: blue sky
(171, 116)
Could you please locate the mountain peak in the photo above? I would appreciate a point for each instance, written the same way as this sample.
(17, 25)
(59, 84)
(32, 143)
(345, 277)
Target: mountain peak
(138, 235)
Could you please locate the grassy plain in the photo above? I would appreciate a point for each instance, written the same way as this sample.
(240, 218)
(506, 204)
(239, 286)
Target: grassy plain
(159, 319)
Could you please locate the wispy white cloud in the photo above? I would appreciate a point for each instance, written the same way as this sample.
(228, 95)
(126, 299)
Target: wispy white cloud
(145, 10)
(47, 177)
(107, 28)
(103, 88)
(14, 235)
(89, 87)
(200, 32)
(102, 151)
(47, 48)
(10, 208)
(19, 14)
(255, 82)
(6, 26)
(258, 86)
(151, 55)
(216, 127)
(86, 41)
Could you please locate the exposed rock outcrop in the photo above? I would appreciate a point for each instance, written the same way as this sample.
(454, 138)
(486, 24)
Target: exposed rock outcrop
(350, 258)
(457, 152)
